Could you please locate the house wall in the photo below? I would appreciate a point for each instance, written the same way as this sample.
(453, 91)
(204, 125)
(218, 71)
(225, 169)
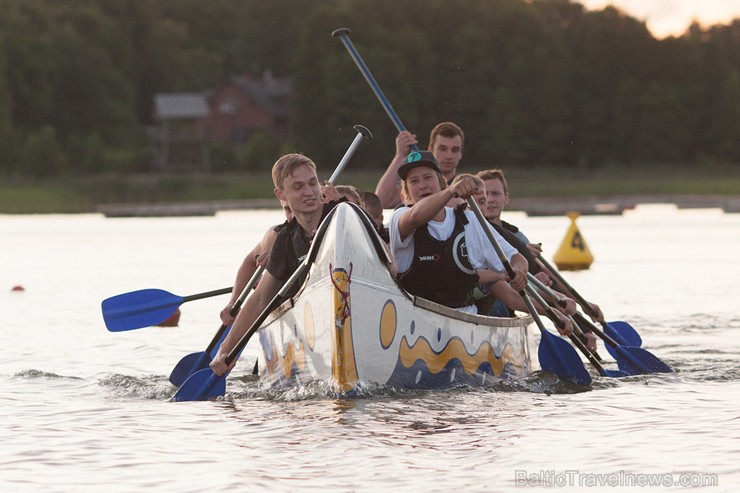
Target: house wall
(235, 116)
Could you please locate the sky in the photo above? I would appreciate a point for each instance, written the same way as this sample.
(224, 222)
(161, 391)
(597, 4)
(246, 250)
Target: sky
(671, 17)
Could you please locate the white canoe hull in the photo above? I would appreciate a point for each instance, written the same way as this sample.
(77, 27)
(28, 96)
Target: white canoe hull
(352, 325)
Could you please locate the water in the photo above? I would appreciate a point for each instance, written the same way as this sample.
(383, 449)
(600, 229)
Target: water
(84, 409)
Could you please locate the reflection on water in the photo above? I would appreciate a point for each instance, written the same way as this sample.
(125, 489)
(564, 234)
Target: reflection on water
(84, 407)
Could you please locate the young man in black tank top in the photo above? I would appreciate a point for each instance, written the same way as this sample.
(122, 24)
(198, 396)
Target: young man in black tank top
(296, 183)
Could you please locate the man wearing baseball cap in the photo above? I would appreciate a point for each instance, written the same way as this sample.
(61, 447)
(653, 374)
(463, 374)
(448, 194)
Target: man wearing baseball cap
(446, 142)
(440, 251)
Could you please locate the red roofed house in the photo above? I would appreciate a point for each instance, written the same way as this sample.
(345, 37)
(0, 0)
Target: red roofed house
(244, 106)
(229, 114)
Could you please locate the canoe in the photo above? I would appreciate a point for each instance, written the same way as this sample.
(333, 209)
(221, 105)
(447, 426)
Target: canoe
(351, 325)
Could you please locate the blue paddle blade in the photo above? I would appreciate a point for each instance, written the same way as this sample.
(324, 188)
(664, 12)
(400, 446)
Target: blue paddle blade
(201, 385)
(558, 357)
(187, 366)
(194, 362)
(138, 309)
(637, 361)
(613, 373)
(623, 333)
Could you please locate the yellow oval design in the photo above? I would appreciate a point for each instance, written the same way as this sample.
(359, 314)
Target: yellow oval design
(388, 324)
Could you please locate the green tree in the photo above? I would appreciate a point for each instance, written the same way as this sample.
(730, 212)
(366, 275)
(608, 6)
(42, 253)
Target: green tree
(42, 155)
(261, 152)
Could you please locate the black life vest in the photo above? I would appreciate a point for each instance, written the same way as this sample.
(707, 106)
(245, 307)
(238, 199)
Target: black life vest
(512, 239)
(291, 247)
(441, 271)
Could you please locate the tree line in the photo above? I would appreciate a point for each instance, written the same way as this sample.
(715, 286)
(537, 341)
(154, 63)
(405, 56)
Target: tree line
(536, 82)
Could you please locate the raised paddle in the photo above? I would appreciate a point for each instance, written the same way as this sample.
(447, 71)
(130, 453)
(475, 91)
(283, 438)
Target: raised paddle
(146, 307)
(197, 361)
(577, 342)
(343, 34)
(621, 332)
(205, 384)
(555, 355)
(563, 365)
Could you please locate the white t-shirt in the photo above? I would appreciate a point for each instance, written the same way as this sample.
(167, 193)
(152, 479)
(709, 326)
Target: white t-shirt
(481, 253)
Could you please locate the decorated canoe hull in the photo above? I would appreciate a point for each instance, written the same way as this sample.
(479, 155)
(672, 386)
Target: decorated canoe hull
(351, 325)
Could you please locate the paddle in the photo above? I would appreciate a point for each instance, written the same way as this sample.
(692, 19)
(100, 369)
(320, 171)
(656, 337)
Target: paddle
(632, 360)
(622, 332)
(560, 364)
(197, 361)
(205, 384)
(560, 301)
(591, 357)
(555, 355)
(146, 307)
(343, 34)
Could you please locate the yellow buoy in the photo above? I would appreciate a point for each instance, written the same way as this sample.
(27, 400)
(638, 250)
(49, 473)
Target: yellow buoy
(573, 253)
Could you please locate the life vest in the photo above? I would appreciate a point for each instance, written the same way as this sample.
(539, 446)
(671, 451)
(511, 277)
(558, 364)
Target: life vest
(441, 271)
(294, 246)
(508, 234)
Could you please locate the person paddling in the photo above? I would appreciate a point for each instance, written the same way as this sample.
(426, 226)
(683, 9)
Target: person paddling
(497, 198)
(445, 143)
(296, 183)
(258, 256)
(439, 249)
(499, 299)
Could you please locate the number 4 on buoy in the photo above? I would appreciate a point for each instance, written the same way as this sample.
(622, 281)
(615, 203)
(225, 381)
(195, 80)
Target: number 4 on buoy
(573, 253)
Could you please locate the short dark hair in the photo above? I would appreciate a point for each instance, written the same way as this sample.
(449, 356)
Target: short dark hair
(446, 129)
(494, 174)
(373, 205)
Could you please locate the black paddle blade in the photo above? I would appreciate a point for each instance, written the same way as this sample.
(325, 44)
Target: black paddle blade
(558, 357)
(202, 385)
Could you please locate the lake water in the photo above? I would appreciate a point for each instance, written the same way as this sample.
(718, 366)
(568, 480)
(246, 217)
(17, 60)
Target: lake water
(84, 409)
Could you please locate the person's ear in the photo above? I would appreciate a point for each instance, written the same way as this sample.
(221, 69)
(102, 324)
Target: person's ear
(279, 194)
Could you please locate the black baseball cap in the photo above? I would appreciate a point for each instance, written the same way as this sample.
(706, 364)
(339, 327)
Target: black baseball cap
(416, 159)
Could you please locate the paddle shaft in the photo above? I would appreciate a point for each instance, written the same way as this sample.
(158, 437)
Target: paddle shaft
(623, 340)
(146, 307)
(343, 35)
(573, 338)
(560, 301)
(235, 309)
(633, 360)
(567, 362)
(581, 301)
(502, 256)
(584, 321)
(200, 296)
(362, 133)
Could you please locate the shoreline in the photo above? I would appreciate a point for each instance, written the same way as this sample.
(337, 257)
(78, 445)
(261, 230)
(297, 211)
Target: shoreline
(532, 206)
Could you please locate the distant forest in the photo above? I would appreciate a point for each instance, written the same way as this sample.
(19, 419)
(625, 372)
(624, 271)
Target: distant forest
(536, 82)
